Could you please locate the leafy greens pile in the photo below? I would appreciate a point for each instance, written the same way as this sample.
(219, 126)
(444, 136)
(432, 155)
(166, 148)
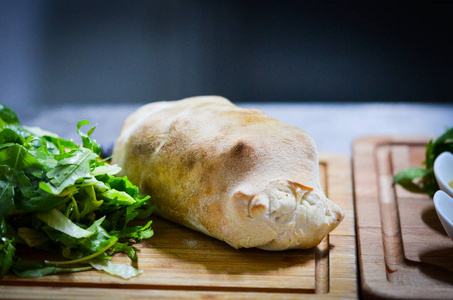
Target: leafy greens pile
(422, 179)
(55, 194)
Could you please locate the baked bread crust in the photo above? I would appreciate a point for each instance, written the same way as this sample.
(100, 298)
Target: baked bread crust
(229, 172)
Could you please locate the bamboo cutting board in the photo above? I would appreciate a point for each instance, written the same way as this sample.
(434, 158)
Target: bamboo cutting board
(403, 251)
(180, 263)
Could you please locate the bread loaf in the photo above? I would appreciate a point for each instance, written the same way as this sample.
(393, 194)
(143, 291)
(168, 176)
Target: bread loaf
(229, 172)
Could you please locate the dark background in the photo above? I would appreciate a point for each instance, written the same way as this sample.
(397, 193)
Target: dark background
(248, 51)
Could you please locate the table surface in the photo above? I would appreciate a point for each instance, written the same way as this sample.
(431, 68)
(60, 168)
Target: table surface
(333, 126)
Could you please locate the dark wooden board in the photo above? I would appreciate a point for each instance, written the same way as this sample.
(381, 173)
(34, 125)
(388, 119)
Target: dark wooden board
(403, 251)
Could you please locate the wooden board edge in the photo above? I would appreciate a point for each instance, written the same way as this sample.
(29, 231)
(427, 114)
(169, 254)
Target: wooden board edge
(373, 141)
(368, 148)
(341, 187)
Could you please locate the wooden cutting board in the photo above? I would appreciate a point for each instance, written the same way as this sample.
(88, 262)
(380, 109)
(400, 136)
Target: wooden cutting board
(403, 251)
(180, 263)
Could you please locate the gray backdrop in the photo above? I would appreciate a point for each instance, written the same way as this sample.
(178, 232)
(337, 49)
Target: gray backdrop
(110, 52)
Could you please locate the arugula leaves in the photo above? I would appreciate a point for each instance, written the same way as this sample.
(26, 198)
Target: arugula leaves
(55, 194)
(422, 179)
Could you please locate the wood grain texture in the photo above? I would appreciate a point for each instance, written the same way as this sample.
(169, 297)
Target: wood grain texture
(403, 251)
(181, 263)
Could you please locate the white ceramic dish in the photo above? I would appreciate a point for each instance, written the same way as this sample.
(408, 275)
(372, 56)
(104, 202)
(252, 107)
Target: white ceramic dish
(444, 208)
(443, 170)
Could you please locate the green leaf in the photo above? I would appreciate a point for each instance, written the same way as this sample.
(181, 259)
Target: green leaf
(58, 145)
(106, 169)
(69, 170)
(23, 182)
(7, 116)
(3, 228)
(18, 158)
(55, 219)
(125, 248)
(409, 174)
(88, 201)
(6, 198)
(88, 142)
(122, 270)
(137, 232)
(115, 197)
(145, 232)
(8, 135)
(63, 240)
(422, 179)
(31, 269)
(123, 184)
(7, 251)
(39, 202)
(99, 238)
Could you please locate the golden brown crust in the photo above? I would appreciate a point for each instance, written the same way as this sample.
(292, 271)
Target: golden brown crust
(230, 172)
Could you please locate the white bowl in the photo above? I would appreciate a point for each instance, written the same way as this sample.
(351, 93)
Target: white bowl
(444, 208)
(443, 170)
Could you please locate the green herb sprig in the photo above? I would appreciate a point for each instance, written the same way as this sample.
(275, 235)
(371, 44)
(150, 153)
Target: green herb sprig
(422, 179)
(55, 194)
